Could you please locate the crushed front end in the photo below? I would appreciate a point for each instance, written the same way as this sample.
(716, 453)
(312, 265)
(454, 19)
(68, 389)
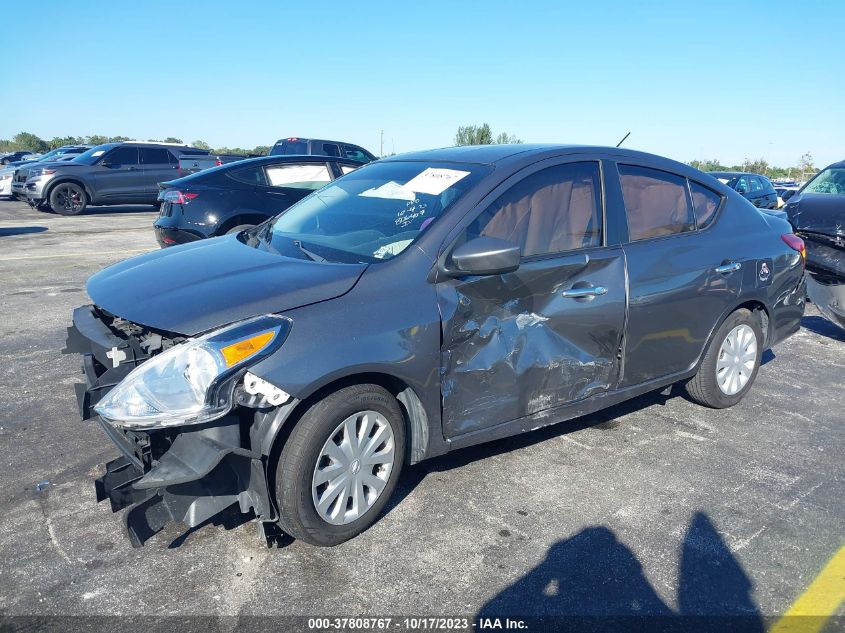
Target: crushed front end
(177, 472)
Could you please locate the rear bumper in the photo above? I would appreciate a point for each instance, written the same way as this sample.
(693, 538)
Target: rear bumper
(169, 236)
(183, 474)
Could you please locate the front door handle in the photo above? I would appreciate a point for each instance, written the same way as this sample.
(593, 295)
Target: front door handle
(580, 293)
(732, 267)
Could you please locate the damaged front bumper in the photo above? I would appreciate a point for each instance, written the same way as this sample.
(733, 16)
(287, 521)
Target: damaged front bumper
(182, 474)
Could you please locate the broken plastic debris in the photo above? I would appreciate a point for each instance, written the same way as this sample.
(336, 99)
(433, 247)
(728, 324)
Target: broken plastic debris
(41, 485)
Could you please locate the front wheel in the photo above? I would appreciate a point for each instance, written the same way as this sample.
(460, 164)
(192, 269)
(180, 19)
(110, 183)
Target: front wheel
(68, 199)
(340, 465)
(730, 364)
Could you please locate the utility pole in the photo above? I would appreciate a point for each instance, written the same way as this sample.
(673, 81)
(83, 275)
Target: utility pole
(381, 145)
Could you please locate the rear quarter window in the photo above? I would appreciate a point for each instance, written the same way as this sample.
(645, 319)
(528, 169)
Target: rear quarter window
(253, 175)
(705, 202)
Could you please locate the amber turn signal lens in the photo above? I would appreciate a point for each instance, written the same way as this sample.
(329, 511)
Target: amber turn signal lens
(236, 352)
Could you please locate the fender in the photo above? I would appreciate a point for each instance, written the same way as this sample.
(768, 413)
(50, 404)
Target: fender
(63, 179)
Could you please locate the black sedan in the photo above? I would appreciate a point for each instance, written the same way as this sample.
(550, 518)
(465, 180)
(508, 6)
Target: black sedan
(240, 195)
(419, 305)
(755, 188)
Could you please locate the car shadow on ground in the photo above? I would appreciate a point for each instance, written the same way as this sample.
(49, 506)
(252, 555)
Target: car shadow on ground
(594, 582)
(821, 326)
(21, 230)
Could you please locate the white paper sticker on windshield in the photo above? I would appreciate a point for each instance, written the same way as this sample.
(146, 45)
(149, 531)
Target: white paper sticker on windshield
(390, 190)
(98, 152)
(391, 249)
(435, 180)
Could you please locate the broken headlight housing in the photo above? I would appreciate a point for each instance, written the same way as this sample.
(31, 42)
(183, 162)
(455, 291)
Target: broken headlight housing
(191, 382)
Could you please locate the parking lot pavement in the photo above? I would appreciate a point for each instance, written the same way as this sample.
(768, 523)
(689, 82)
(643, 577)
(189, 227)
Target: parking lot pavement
(654, 506)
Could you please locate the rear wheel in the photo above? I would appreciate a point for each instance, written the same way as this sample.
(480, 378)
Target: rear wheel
(68, 199)
(731, 363)
(340, 465)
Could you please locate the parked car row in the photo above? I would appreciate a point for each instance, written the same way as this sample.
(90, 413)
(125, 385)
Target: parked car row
(11, 157)
(129, 172)
(413, 306)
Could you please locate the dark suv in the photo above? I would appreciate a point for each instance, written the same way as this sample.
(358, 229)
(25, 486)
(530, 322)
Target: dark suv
(755, 188)
(317, 147)
(113, 173)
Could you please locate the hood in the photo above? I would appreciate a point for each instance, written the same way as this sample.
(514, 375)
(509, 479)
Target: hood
(207, 284)
(817, 213)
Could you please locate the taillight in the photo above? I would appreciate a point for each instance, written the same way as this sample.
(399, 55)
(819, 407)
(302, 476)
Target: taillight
(795, 243)
(174, 196)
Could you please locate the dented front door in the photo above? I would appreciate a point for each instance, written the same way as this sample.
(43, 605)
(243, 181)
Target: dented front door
(543, 336)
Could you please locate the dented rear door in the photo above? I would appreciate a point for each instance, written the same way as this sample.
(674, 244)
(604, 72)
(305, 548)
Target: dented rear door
(543, 336)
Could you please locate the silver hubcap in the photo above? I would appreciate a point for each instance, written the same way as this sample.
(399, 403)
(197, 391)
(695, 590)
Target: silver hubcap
(353, 467)
(737, 358)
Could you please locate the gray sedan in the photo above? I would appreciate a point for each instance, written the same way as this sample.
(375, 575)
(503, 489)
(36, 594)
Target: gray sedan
(415, 306)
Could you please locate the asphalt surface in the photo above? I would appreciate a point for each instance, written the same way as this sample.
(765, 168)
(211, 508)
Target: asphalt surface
(657, 506)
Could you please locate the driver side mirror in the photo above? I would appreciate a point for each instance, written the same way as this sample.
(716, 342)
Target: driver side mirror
(484, 256)
(788, 194)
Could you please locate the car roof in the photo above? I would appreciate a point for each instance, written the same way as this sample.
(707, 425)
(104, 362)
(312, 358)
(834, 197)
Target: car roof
(293, 158)
(298, 139)
(495, 154)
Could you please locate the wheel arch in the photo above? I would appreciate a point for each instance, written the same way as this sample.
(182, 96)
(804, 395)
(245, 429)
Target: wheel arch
(68, 179)
(758, 309)
(273, 434)
(241, 216)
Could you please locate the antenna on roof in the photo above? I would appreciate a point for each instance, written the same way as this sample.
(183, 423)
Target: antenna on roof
(623, 139)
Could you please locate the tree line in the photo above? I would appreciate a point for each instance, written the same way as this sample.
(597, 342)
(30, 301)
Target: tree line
(466, 135)
(31, 142)
(802, 170)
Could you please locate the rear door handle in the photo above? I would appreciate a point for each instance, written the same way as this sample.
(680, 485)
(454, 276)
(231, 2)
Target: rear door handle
(579, 293)
(724, 269)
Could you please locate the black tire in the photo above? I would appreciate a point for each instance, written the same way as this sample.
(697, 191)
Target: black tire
(68, 198)
(703, 388)
(297, 513)
(238, 229)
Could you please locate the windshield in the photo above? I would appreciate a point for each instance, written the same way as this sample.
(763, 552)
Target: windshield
(372, 214)
(92, 155)
(830, 180)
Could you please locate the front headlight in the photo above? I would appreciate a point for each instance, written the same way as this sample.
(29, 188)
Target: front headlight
(191, 382)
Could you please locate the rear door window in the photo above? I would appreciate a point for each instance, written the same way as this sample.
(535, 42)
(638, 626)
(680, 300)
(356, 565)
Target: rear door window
(756, 185)
(298, 175)
(330, 149)
(656, 202)
(154, 156)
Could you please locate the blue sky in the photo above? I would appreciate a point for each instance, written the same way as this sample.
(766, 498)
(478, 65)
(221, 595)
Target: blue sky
(688, 79)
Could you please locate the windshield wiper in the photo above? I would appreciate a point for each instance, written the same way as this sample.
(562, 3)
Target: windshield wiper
(310, 254)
